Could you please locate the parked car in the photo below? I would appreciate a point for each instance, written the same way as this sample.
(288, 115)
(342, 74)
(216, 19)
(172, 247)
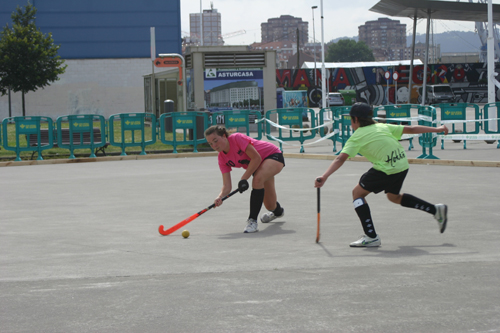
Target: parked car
(438, 93)
(335, 99)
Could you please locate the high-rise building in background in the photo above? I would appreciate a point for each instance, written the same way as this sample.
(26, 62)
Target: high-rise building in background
(285, 28)
(383, 37)
(211, 28)
(387, 39)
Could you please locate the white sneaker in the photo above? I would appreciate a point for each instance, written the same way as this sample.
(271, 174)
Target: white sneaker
(441, 216)
(251, 226)
(269, 216)
(366, 241)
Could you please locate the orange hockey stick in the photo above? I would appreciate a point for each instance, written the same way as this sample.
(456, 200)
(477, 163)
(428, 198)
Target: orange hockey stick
(191, 218)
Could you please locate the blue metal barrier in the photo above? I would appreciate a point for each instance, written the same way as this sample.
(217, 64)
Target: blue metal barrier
(187, 123)
(290, 117)
(132, 130)
(33, 134)
(81, 133)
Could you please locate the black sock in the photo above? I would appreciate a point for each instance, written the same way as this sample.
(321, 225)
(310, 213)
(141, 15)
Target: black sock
(363, 211)
(256, 199)
(411, 201)
(278, 210)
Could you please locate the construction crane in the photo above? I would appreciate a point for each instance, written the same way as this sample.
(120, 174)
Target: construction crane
(233, 34)
(482, 32)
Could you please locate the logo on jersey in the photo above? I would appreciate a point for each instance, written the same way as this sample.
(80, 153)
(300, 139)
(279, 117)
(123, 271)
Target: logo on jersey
(395, 156)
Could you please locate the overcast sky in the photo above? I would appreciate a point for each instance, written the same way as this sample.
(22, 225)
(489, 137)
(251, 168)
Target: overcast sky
(341, 17)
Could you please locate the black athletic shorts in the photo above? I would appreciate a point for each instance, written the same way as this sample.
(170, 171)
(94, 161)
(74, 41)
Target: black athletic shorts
(277, 157)
(377, 181)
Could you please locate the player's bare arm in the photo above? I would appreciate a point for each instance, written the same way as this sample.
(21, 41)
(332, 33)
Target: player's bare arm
(336, 164)
(226, 188)
(255, 161)
(417, 129)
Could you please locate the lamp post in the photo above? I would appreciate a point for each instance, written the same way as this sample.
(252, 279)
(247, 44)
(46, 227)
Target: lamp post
(314, 43)
(201, 22)
(323, 72)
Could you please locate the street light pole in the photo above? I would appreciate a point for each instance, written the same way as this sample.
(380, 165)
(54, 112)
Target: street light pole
(314, 43)
(323, 72)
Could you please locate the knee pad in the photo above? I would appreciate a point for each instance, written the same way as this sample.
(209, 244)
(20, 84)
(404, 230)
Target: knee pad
(358, 202)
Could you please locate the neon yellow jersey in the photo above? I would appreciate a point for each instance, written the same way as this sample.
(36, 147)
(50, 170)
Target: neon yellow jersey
(379, 144)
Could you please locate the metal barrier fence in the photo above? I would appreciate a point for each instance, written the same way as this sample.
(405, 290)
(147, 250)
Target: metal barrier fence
(427, 117)
(332, 114)
(455, 114)
(239, 119)
(491, 111)
(28, 135)
(187, 123)
(81, 133)
(36, 134)
(132, 130)
(290, 125)
(399, 114)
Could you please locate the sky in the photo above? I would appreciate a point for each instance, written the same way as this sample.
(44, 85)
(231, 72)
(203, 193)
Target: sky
(341, 18)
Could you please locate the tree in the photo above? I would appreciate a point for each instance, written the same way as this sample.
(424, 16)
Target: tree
(28, 58)
(347, 50)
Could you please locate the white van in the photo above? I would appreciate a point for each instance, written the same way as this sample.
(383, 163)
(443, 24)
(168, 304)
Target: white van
(437, 93)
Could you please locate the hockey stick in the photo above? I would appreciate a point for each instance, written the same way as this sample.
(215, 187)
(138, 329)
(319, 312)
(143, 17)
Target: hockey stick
(319, 215)
(191, 218)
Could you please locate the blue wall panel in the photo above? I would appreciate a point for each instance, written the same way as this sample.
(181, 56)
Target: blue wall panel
(105, 28)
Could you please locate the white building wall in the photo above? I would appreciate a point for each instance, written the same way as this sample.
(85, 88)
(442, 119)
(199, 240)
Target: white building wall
(89, 86)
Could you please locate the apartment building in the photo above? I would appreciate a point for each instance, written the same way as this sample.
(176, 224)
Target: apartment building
(211, 31)
(285, 28)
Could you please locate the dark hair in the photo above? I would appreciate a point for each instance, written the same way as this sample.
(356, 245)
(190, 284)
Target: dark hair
(362, 110)
(364, 121)
(218, 129)
(363, 113)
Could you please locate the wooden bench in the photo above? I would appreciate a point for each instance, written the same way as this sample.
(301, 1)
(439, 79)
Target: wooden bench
(78, 139)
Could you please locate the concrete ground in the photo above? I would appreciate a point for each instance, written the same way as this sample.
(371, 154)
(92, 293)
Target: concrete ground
(81, 252)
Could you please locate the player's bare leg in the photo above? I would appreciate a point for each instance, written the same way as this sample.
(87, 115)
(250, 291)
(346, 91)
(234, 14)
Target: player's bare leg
(265, 176)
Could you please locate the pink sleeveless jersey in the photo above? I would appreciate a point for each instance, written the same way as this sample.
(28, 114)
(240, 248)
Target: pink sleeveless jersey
(237, 158)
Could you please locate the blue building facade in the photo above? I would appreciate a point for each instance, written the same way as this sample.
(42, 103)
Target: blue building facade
(92, 29)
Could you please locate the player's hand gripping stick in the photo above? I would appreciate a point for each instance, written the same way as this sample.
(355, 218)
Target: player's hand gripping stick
(191, 218)
(243, 185)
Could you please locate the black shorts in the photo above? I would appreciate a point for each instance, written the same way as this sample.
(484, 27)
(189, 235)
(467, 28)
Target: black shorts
(277, 157)
(377, 181)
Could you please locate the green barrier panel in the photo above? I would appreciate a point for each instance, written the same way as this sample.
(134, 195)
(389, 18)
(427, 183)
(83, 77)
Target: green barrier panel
(33, 134)
(132, 130)
(81, 133)
(396, 111)
(332, 114)
(427, 140)
(291, 117)
(345, 129)
(187, 123)
(239, 119)
(458, 111)
(492, 111)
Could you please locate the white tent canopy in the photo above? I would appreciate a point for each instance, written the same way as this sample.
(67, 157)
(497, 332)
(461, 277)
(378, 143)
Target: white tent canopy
(364, 64)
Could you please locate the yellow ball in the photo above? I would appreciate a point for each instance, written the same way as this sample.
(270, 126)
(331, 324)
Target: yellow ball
(185, 234)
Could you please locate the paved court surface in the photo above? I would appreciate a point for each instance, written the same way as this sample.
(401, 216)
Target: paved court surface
(80, 251)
